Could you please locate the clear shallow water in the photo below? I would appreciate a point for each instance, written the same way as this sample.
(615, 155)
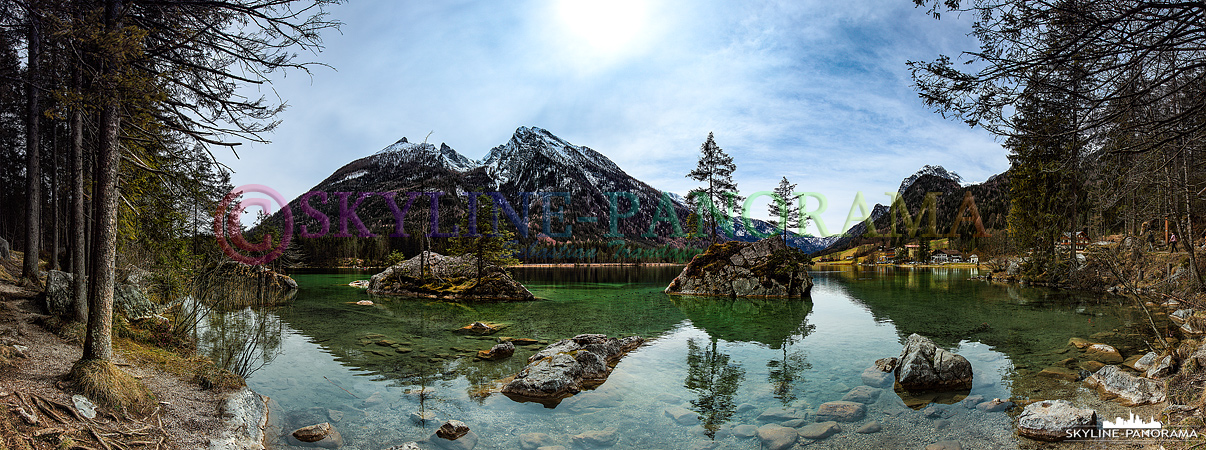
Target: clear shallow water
(728, 360)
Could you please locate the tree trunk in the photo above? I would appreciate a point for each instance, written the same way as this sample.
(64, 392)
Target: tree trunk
(33, 172)
(79, 286)
(98, 341)
(55, 230)
(79, 258)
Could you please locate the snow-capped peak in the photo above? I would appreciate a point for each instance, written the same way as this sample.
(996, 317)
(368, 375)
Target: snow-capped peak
(937, 171)
(403, 150)
(505, 160)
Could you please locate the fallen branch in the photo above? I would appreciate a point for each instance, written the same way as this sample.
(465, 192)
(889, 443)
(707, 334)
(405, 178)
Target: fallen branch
(338, 386)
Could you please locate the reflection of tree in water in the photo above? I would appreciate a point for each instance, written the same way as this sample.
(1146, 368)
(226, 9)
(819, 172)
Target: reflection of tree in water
(241, 341)
(785, 373)
(715, 380)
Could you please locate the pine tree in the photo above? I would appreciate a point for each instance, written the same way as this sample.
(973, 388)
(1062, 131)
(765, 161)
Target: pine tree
(784, 211)
(496, 248)
(715, 170)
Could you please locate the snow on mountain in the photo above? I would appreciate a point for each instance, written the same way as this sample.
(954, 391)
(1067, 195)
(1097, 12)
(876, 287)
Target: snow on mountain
(508, 162)
(403, 151)
(937, 171)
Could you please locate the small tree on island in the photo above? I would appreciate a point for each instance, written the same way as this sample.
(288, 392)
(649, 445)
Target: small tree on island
(715, 170)
(497, 248)
(784, 211)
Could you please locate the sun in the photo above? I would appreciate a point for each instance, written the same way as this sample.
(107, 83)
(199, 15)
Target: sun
(608, 27)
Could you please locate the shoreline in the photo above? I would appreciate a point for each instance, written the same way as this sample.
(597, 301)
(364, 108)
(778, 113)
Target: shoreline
(598, 265)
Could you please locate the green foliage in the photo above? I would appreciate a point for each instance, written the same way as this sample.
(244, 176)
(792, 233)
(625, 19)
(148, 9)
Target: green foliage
(395, 257)
(493, 247)
(784, 209)
(719, 191)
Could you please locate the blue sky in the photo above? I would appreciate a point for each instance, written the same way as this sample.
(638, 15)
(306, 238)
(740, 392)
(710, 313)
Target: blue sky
(816, 91)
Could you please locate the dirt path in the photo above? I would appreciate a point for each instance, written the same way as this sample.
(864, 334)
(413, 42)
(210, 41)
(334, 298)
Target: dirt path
(186, 416)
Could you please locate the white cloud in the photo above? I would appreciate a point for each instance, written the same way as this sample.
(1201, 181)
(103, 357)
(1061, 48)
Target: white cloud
(816, 91)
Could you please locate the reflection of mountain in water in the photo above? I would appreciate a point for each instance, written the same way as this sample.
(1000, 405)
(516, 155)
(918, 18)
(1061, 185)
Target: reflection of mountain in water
(771, 322)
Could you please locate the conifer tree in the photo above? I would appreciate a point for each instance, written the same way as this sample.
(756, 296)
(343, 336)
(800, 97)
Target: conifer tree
(715, 171)
(784, 211)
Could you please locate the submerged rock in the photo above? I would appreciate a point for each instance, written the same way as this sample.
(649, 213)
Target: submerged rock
(924, 366)
(451, 277)
(777, 437)
(767, 268)
(567, 367)
(1112, 383)
(598, 438)
(875, 377)
(452, 430)
(480, 328)
(862, 394)
(682, 415)
(1104, 353)
(322, 435)
(870, 427)
(497, 352)
(820, 430)
(841, 411)
(533, 441)
(1049, 420)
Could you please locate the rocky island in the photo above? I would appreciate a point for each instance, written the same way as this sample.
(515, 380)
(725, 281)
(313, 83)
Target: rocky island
(767, 268)
(449, 277)
(567, 367)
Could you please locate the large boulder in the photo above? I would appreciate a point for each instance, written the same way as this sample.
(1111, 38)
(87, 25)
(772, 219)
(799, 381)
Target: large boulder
(567, 367)
(1129, 390)
(767, 268)
(59, 299)
(129, 301)
(5, 253)
(926, 367)
(244, 418)
(451, 277)
(1051, 420)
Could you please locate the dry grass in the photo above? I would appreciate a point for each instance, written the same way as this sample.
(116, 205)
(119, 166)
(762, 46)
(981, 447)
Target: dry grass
(200, 369)
(108, 385)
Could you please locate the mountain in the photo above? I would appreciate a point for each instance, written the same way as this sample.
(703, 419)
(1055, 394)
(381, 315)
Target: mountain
(991, 199)
(937, 171)
(586, 190)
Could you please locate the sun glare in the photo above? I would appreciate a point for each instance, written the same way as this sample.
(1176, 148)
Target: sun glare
(608, 26)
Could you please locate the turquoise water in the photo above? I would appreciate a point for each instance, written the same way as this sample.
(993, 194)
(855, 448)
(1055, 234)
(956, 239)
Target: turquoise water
(366, 369)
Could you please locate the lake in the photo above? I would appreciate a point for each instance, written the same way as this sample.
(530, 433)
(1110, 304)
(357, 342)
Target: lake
(370, 370)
